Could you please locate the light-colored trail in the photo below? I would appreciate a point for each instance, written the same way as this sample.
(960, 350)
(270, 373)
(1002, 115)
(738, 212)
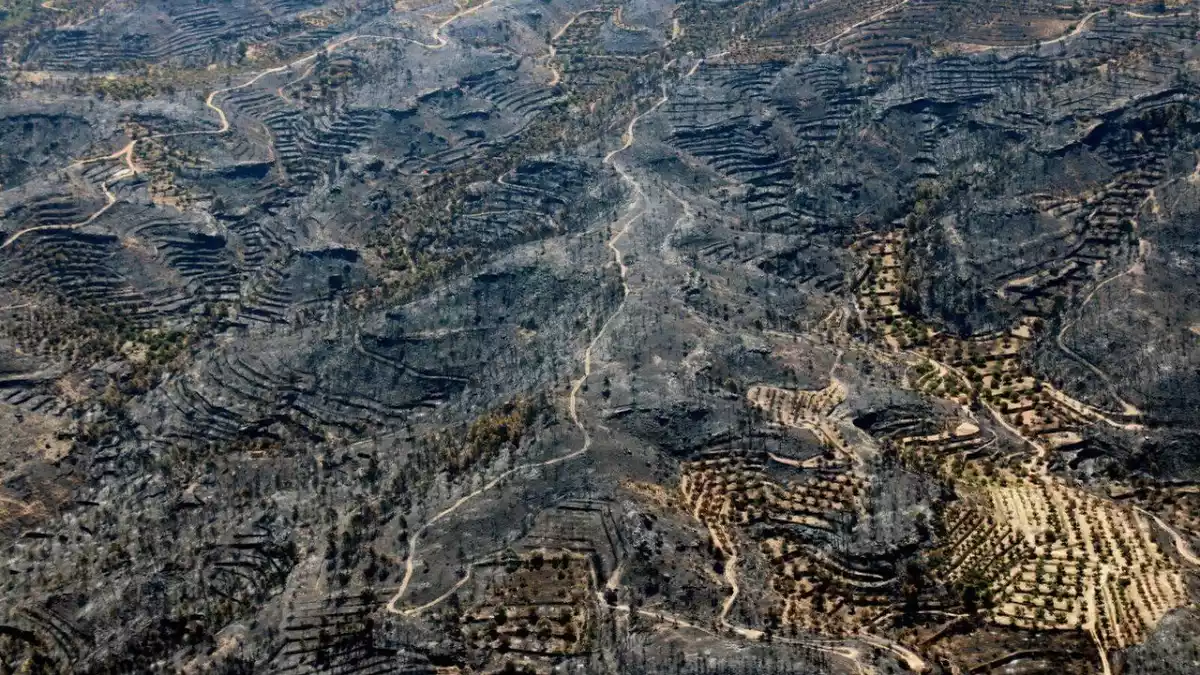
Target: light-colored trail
(25, 508)
(437, 32)
(126, 152)
(1102, 650)
(724, 543)
(281, 92)
(1174, 15)
(415, 539)
(619, 22)
(828, 41)
(557, 74)
(850, 29)
(1181, 543)
(109, 198)
(914, 662)
(1128, 408)
(419, 609)
(627, 139)
(852, 654)
(1079, 28)
(1091, 411)
(731, 563)
(572, 398)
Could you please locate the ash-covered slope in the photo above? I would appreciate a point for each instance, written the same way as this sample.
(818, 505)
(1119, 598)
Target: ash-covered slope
(513, 336)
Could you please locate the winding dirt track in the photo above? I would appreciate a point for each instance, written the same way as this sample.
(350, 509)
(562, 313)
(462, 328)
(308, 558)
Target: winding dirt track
(25, 508)
(109, 198)
(849, 29)
(828, 41)
(914, 662)
(1129, 409)
(852, 654)
(1079, 28)
(1181, 543)
(550, 43)
(638, 208)
(731, 562)
(126, 152)
(1103, 651)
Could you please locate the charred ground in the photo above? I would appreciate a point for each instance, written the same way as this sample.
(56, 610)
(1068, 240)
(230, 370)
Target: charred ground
(640, 337)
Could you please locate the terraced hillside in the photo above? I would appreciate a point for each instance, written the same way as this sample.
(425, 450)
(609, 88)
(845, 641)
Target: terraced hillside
(497, 336)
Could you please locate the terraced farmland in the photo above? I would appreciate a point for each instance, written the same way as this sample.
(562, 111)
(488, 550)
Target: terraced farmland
(495, 336)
